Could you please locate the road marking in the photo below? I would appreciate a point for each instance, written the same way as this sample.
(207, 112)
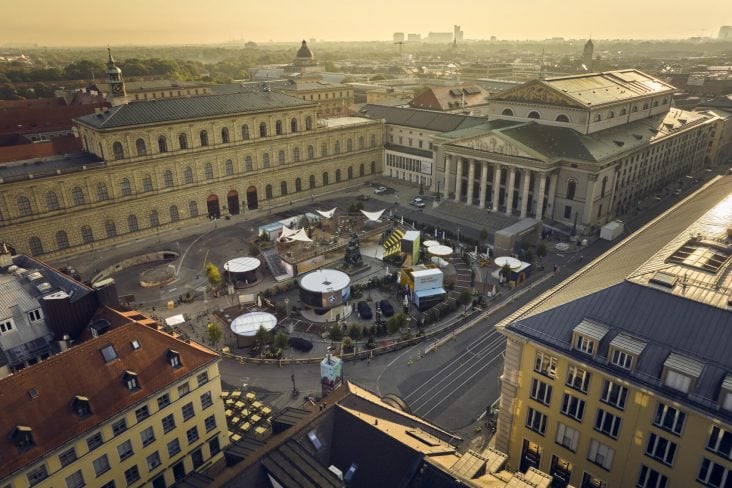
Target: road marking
(378, 378)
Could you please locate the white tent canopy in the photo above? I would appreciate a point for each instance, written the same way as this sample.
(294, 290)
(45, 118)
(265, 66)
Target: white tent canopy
(301, 235)
(327, 213)
(287, 233)
(373, 216)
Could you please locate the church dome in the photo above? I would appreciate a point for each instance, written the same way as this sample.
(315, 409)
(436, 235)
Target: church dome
(304, 51)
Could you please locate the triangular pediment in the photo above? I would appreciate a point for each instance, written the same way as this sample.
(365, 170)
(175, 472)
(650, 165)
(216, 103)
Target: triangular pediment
(537, 91)
(497, 143)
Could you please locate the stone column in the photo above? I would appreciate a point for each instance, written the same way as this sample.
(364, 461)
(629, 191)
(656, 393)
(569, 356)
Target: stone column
(471, 180)
(553, 178)
(540, 197)
(483, 182)
(525, 180)
(496, 186)
(509, 189)
(589, 214)
(446, 188)
(458, 178)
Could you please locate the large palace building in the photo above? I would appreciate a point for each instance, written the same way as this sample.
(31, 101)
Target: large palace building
(577, 149)
(152, 165)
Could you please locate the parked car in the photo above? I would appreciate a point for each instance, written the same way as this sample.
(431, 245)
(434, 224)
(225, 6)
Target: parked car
(387, 310)
(379, 190)
(300, 344)
(417, 203)
(364, 311)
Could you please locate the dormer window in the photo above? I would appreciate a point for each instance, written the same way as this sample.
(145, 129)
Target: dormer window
(725, 398)
(587, 336)
(81, 406)
(130, 380)
(109, 353)
(680, 373)
(22, 437)
(625, 350)
(173, 358)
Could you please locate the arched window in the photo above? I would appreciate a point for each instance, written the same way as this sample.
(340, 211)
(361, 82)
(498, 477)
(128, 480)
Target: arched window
(204, 138)
(507, 112)
(312, 181)
(24, 207)
(337, 149)
(117, 150)
(534, 115)
(655, 103)
(296, 155)
(361, 142)
(174, 215)
(571, 189)
(183, 140)
(248, 164)
(154, 218)
(283, 188)
(623, 112)
(125, 188)
(338, 175)
(102, 193)
(349, 145)
(298, 185)
(373, 140)
(168, 179)
(373, 167)
(562, 118)
(132, 225)
(311, 152)
(147, 184)
(140, 147)
(325, 178)
(324, 150)
(162, 144)
(278, 128)
(208, 172)
(350, 173)
(225, 135)
(188, 175)
(263, 129)
(268, 192)
(193, 209)
(361, 170)
(308, 123)
(293, 125)
(87, 236)
(62, 240)
(245, 132)
(598, 118)
(634, 108)
(229, 167)
(281, 157)
(35, 245)
(52, 201)
(110, 228)
(645, 106)
(603, 187)
(265, 160)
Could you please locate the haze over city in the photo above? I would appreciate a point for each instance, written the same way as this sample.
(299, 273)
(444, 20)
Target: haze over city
(139, 22)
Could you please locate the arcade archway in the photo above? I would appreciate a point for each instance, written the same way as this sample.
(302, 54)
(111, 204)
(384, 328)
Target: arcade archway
(232, 201)
(214, 210)
(252, 200)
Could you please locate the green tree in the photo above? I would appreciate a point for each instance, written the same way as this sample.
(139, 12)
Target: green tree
(483, 235)
(335, 333)
(396, 323)
(213, 274)
(214, 333)
(280, 340)
(541, 250)
(253, 249)
(261, 338)
(506, 271)
(355, 332)
(465, 298)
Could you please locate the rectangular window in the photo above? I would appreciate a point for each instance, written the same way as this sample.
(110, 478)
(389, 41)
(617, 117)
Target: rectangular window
(37, 475)
(584, 344)
(75, 480)
(607, 423)
(125, 450)
(192, 435)
(536, 421)
(132, 475)
(573, 407)
(649, 478)
(187, 411)
(713, 474)
(173, 447)
(108, 353)
(210, 423)
(622, 359)
(101, 465)
(677, 381)
(601, 454)
(661, 449)
(206, 400)
(214, 447)
(67, 457)
(567, 437)
(163, 401)
(567, 211)
(142, 413)
(540, 391)
(720, 442)
(147, 436)
(34, 315)
(669, 419)
(614, 394)
(578, 378)
(94, 441)
(545, 364)
(153, 461)
(168, 423)
(119, 426)
(183, 390)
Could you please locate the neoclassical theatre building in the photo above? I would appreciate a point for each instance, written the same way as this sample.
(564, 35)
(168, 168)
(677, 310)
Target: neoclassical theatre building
(577, 149)
(155, 165)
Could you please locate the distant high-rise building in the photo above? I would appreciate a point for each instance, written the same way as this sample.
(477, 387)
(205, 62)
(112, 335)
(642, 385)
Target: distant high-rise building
(414, 37)
(457, 34)
(725, 32)
(587, 55)
(439, 37)
(399, 37)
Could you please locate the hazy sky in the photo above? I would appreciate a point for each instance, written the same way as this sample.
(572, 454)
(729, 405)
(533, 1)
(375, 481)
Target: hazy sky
(89, 23)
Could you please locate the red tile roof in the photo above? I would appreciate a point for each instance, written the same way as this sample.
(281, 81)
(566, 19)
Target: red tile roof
(82, 371)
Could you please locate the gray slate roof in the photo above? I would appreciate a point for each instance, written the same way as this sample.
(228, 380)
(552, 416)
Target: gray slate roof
(421, 119)
(179, 109)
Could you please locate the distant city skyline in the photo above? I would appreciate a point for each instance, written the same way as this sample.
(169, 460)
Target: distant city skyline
(167, 22)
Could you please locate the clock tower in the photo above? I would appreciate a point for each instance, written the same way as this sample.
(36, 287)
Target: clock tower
(117, 92)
